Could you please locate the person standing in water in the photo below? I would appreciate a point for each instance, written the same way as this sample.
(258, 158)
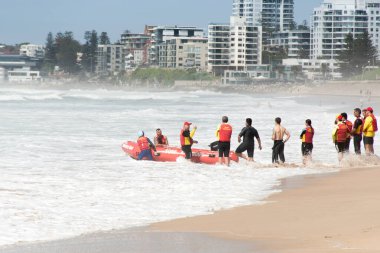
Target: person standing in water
(223, 133)
(357, 131)
(307, 136)
(186, 138)
(279, 132)
(340, 133)
(369, 130)
(350, 126)
(249, 134)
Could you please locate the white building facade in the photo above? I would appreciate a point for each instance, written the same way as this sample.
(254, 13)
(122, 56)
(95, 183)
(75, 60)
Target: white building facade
(275, 15)
(235, 46)
(335, 19)
(293, 41)
(37, 51)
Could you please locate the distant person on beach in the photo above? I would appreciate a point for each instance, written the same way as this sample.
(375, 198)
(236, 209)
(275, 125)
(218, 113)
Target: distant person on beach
(160, 139)
(224, 133)
(339, 134)
(279, 132)
(249, 134)
(186, 138)
(145, 146)
(307, 136)
(369, 130)
(349, 125)
(357, 131)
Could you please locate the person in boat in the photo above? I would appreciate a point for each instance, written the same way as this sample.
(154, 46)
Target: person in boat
(357, 131)
(224, 133)
(350, 126)
(307, 136)
(160, 139)
(340, 133)
(369, 129)
(278, 135)
(145, 145)
(186, 138)
(249, 134)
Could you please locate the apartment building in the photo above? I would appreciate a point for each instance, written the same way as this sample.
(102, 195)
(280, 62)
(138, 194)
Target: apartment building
(135, 48)
(184, 53)
(235, 46)
(272, 15)
(109, 59)
(31, 50)
(292, 41)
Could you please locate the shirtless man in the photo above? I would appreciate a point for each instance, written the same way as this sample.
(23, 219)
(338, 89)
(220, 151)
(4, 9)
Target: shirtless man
(279, 132)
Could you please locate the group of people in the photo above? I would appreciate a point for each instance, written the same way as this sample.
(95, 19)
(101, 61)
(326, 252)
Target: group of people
(363, 128)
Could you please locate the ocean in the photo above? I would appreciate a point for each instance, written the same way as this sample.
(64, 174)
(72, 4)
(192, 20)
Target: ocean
(63, 172)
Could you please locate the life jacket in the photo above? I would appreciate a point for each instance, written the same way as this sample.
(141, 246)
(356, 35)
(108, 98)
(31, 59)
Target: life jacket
(359, 130)
(143, 143)
(349, 125)
(225, 132)
(342, 132)
(183, 139)
(161, 140)
(374, 123)
(308, 135)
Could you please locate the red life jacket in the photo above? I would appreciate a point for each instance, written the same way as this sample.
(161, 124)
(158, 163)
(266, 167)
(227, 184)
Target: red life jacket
(374, 123)
(143, 143)
(349, 125)
(225, 132)
(342, 133)
(161, 140)
(309, 135)
(182, 139)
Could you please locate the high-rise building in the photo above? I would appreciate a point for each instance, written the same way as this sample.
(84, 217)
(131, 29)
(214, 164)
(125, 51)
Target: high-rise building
(335, 19)
(235, 46)
(296, 43)
(109, 59)
(272, 15)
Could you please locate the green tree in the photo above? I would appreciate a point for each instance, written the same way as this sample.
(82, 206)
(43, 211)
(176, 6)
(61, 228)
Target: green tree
(357, 54)
(104, 39)
(50, 59)
(89, 50)
(67, 49)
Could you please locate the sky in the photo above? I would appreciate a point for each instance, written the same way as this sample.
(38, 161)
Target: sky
(31, 20)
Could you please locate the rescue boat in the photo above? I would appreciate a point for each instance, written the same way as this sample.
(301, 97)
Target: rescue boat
(171, 154)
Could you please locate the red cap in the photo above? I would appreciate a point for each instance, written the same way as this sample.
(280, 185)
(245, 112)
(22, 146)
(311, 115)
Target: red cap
(340, 117)
(187, 123)
(370, 109)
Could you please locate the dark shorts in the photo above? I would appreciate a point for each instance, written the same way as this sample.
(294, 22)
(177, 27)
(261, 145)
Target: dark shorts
(368, 140)
(340, 146)
(187, 150)
(307, 148)
(224, 149)
(246, 147)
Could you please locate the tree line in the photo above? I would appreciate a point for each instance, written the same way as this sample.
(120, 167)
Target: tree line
(62, 50)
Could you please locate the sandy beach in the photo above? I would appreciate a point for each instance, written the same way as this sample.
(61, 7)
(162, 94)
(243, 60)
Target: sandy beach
(338, 213)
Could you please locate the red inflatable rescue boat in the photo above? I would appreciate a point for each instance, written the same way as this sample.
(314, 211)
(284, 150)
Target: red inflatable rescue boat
(170, 154)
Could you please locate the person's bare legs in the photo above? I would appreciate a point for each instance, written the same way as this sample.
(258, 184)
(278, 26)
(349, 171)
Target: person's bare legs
(227, 161)
(220, 160)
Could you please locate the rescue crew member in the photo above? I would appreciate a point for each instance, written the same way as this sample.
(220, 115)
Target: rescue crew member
(369, 129)
(364, 113)
(349, 125)
(145, 146)
(340, 133)
(223, 133)
(278, 135)
(160, 139)
(249, 134)
(307, 136)
(357, 131)
(186, 138)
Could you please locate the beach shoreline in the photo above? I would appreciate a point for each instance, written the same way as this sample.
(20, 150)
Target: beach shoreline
(333, 213)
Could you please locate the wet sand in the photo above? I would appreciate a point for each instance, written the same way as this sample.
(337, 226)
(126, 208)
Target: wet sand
(338, 213)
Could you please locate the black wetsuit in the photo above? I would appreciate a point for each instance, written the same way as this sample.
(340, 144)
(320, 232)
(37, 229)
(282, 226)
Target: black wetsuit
(249, 134)
(278, 151)
(358, 137)
(187, 148)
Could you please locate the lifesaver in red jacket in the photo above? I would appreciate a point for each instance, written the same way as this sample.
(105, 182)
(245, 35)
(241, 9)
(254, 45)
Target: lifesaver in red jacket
(143, 143)
(225, 132)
